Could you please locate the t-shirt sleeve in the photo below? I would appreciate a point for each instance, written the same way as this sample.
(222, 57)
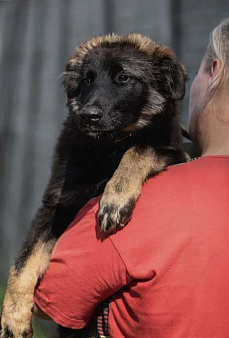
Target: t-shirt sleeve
(85, 269)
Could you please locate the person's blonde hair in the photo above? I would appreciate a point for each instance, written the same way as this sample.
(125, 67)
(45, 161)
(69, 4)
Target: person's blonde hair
(218, 47)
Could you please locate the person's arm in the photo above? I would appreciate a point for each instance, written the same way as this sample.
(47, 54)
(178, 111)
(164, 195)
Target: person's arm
(85, 269)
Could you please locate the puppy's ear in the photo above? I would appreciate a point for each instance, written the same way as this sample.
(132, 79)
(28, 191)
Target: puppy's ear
(71, 80)
(173, 78)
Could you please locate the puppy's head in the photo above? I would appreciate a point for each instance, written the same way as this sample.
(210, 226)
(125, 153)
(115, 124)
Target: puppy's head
(116, 83)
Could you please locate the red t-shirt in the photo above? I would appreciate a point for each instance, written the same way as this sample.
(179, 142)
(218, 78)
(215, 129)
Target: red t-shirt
(168, 268)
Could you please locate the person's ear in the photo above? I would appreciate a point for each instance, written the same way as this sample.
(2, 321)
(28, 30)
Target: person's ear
(215, 69)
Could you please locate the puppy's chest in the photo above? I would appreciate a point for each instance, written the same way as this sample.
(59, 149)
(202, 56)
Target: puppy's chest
(89, 167)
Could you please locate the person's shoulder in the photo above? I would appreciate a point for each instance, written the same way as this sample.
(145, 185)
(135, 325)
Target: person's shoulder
(197, 165)
(185, 175)
(176, 180)
(174, 172)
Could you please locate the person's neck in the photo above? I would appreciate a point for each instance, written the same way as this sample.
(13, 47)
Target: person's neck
(216, 141)
(216, 151)
(214, 127)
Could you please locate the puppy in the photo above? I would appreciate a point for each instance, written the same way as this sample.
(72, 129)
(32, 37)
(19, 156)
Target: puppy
(122, 128)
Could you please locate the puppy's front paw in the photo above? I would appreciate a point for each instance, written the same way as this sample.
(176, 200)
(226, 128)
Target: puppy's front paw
(15, 329)
(114, 216)
(8, 332)
(16, 321)
(115, 210)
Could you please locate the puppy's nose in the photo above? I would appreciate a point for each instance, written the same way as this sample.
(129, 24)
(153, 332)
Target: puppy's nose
(92, 113)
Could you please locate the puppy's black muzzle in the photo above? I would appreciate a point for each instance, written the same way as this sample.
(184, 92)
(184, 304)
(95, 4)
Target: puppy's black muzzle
(91, 114)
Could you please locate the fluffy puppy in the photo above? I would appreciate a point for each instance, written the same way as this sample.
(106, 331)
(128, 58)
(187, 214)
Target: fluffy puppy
(122, 128)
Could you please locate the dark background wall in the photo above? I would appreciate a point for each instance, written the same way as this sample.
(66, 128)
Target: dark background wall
(36, 39)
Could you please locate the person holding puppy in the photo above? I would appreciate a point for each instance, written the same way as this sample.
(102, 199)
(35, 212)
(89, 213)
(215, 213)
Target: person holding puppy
(167, 271)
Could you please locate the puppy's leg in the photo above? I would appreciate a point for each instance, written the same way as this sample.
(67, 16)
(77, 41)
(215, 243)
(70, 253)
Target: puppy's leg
(32, 260)
(18, 302)
(124, 188)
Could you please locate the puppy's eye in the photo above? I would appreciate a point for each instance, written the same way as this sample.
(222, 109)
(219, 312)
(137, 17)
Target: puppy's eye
(123, 78)
(87, 81)
(89, 78)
